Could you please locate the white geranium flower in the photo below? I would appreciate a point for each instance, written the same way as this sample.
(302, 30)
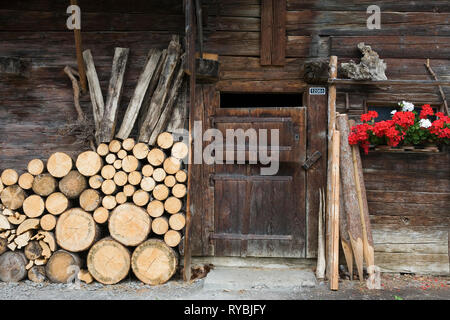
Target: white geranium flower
(406, 106)
(425, 123)
(393, 112)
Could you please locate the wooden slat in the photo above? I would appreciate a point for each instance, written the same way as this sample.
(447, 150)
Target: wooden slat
(266, 32)
(279, 33)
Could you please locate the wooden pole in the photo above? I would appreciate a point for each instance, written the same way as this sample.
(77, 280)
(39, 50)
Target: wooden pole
(331, 128)
(335, 181)
(80, 61)
(444, 99)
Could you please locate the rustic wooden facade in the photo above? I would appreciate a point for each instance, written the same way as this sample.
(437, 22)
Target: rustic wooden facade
(408, 193)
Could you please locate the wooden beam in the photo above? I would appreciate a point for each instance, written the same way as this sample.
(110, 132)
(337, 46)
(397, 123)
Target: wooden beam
(444, 99)
(279, 33)
(80, 62)
(335, 180)
(266, 32)
(428, 83)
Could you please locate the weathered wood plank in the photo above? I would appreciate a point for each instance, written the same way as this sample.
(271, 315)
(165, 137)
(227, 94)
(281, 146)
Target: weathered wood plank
(267, 23)
(279, 33)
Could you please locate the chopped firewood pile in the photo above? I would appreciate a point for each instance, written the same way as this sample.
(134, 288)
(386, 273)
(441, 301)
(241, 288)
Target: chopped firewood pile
(116, 208)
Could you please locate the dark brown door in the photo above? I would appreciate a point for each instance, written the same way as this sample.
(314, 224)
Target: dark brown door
(261, 215)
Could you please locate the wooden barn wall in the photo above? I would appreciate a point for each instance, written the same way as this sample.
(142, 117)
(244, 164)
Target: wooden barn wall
(409, 194)
(33, 111)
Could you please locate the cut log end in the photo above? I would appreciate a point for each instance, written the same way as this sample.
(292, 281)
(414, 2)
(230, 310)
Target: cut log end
(59, 164)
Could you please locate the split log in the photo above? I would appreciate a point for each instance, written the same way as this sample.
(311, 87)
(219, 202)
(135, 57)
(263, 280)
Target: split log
(9, 177)
(35, 167)
(108, 172)
(59, 164)
(120, 178)
(121, 154)
(170, 181)
(179, 190)
(128, 144)
(44, 184)
(147, 184)
(172, 165)
(129, 190)
(108, 123)
(33, 206)
(343, 232)
(46, 252)
(85, 276)
(76, 230)
(47, 237)
(95, 182)
(4, 223)
(172, 238)
(141, 198)
(134, 178)
(26, 181)
(108, 261)
(62, 266)
(160, 192)
(130, 164)
(109, 187)
(159, 96)
(73, 184)
(173, 205)
(29, 265)
(140, 150)
(103, 149)
(155, 208)
(89, 163)
(56, 203)
(177, 221)
(179, 118)
(160, 225)
(167, 110)
(147, 170)
(17, 219)
(90, 200)
(136, 101)
(334, 274)
(33, 250)
(181, 176)
(37, 274)
(159, 174)
(23, 239)
(165, 140)
(98, 105)
(12, 197)
(154, 262)
(180, 150)
(129, 224)
(156, 157)
(12, 266)
(110, 158)
(101, 215)
(109, 202)
(121, 198)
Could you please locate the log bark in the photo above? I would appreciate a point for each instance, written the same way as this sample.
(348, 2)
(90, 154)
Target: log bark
(62, 266)
(135, 104)
(33, 206)
(116, 83)
(59, 164)
(37, 274)
(44, 184)
(12, 266)
(33, 250)
(9, 177)
(3, 245)
(173, 205)
(98, 104)
(56, 203)
(129, 224)
(154, 262)
(90, 200)
(73, 184)
(89, 163)
(12, 197)
(172, 238)
(108, 261)
(155, 209)
(159, 96)
(178, 121)
(76, 230)
(35, 167)
(26, 181)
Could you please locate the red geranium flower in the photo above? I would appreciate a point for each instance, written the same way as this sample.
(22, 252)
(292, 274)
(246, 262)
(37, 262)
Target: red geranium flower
(369, 116)
(404, 119)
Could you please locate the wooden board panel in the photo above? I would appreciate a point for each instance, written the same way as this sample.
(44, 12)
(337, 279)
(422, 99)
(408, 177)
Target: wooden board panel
(279, 33)
(267, 36)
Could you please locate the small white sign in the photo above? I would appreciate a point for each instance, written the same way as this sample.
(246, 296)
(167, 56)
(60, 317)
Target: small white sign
(317, 91)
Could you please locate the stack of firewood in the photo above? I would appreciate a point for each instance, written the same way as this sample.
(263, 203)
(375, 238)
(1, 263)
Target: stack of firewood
(123, 193)
(115, 208)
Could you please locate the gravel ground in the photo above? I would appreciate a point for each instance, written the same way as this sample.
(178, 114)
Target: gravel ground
(395, 287)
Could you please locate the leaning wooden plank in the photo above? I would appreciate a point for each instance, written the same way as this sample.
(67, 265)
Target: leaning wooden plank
(159, 97)
(335, 180)
(321, 263)
(166, 113)
(139, 93)
(98, 104)
(108, 124)
(178, 121)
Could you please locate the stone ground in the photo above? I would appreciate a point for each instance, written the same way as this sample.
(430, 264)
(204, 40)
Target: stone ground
(240, 284)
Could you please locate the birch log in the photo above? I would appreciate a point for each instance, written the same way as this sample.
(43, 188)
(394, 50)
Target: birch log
(139, 93)
(108, 124)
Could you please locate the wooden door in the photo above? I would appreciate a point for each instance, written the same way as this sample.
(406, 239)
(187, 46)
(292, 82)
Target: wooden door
(261, 215)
